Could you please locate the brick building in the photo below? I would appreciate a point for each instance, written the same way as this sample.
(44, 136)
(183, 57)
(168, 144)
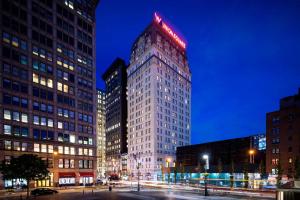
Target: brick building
(283, 135)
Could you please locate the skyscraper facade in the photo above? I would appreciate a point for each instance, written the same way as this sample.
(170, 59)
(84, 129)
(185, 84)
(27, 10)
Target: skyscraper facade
(47, 93)
(283, 146)
(101, 145)
(159, 100)
(116, 116)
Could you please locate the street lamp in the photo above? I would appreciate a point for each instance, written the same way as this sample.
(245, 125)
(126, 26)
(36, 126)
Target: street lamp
(251, 154)
(206, 158)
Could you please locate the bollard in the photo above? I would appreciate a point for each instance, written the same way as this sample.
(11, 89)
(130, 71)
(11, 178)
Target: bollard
(21, 198)
(110, 188)
(82, 192)
(92, 192)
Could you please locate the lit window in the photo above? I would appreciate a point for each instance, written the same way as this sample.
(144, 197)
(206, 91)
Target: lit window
(43, 121)
(66, 88)
(90, 141)
(60, 163)
(24, 146)
(44, 148)
(290, 160)
(35, 78)
(72, 138)
(43, 81)
(50, 148)
(58, 61)
(6, 37)
(72, 163)
(15, 42)
(36, 120)
(59, 86)
(50, 83)
(7, 145)
(50, 122)
(80, 151)
(60, 149)
(42, 53)
(90, 152)
(17, 146)
(67, 150)
(58, 48)
(59, 125)
(85, 152)
(24, 118)
(72, 150)
(7, 114)
(36, 147)
(67, 163)
(7, 129)
(35, 50)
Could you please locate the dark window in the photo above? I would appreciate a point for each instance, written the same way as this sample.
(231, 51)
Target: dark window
(36, 134)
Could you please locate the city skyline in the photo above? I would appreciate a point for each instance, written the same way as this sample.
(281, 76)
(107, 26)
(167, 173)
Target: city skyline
(220, 67)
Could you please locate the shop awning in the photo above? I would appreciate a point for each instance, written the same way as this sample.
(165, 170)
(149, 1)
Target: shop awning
(86, 174)
(66, 174)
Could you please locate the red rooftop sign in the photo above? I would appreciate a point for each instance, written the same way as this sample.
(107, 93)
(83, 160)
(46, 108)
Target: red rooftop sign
(158, 20)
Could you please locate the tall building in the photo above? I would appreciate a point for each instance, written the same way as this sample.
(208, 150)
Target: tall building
(101, 145)
(283, 135)
(116, 116)
(47, 93)
(159, 99)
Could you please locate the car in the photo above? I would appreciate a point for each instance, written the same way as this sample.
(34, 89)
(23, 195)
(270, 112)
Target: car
(43, 191)
(101, 182)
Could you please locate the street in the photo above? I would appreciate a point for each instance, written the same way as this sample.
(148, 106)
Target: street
(127, 193)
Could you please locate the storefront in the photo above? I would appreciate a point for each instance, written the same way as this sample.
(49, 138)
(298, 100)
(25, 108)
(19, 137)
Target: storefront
(67, 179)
(86, 178)
(45, 182)
(15, 183)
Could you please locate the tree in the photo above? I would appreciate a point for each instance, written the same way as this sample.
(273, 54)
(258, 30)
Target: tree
(27, 166)
(297, 169)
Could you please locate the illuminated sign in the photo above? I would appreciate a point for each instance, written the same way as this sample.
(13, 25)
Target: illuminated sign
(159, 21)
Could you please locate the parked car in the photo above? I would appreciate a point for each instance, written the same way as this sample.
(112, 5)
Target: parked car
(43, 191)
(114, 177)
(101, 182)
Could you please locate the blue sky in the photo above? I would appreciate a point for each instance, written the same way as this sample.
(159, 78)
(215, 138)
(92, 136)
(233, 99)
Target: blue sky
(244, 55)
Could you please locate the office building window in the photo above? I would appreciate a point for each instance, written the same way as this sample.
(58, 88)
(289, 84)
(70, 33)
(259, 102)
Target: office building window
(36, 147)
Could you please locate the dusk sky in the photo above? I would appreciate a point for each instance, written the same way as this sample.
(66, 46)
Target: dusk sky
(244, 56)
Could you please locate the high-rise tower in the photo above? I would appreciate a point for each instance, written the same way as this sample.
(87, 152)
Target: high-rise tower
(159, 99)
(101, 138)
(48, 87)
(116, 116)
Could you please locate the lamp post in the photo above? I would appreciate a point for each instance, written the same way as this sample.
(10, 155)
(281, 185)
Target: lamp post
(206, 158)
(251, 154)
